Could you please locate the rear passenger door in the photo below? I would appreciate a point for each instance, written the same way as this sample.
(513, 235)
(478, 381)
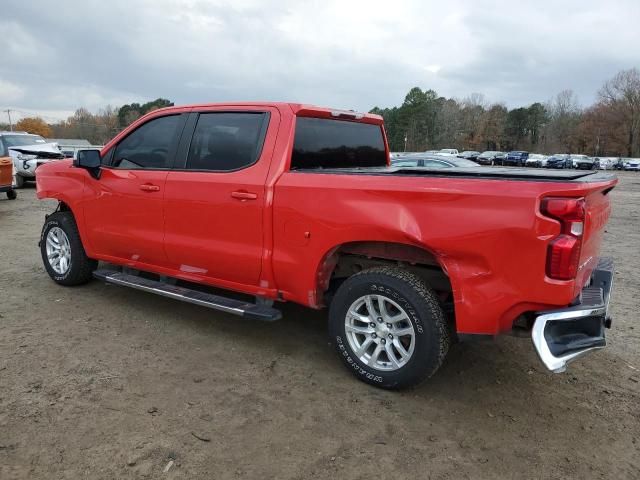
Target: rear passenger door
(215, 196)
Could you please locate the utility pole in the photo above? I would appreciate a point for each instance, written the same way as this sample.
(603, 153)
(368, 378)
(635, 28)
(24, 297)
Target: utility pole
(9, 114)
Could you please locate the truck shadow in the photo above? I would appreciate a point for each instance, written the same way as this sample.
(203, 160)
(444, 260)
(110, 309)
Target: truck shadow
(485, 369)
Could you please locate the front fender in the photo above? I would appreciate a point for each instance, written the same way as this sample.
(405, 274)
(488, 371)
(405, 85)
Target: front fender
(60, 181)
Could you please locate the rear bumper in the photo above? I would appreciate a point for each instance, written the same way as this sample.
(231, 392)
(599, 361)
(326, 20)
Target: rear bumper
(563, 335)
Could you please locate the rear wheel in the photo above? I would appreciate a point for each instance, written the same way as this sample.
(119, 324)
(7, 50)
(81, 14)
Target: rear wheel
(12, 195)
(388, 327)
(62, 252)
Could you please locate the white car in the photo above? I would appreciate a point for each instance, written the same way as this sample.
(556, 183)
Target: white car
(28, 152)
(536, 160)
(632, 164)
(606, 163)
(448, 152)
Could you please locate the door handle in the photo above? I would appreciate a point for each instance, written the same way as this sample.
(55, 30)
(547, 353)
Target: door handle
(147, 187)
(240, 195)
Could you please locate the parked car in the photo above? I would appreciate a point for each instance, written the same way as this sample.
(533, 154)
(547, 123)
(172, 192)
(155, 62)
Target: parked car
(583, 162)
(516, 158)
(607, 163)
(490, 157)
(231, 196)
(536, 160)
(618, 164)
(469, 154)
(632, 164)
(448, 152)
(433, 161)
(28, 152)
(7, 178)
(559, 160)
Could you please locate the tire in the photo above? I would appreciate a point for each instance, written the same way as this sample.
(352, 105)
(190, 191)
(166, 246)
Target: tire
(78, 266)
(402, 292)
(12, 194)
(19, 181)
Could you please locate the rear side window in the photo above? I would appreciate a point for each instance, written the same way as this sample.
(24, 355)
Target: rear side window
(436, 164)
(226, 141)
(325, 143)
(148, 146)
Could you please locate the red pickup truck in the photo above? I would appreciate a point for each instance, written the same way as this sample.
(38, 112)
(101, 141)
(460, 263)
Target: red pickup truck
(278, 202)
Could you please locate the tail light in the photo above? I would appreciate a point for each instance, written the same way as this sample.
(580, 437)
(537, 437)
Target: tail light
(563, 254)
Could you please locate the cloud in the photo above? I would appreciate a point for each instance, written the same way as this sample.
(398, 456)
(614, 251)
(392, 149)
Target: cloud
(355, 54)
(10, 92)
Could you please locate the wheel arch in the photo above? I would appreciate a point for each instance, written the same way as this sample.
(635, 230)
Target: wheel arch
(346, 259)
(66, 207)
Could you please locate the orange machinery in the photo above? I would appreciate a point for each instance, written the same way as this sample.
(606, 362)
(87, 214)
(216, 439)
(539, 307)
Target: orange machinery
(7, 177)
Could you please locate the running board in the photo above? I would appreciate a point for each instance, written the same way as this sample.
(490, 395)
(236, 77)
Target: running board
(217, 302)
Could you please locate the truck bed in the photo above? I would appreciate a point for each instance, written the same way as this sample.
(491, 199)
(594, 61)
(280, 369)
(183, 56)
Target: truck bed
(527, 174)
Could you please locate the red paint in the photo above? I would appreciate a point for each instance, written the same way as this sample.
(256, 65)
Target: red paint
(268, 231)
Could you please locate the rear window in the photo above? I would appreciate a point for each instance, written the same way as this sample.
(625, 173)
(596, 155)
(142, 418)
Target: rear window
(324, 143)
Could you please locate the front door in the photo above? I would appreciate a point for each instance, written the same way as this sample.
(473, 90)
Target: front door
(124, 207)
(215, 197)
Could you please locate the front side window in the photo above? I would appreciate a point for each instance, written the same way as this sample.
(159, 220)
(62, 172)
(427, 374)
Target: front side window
(226, 141)
(325, 143)
(148, 146)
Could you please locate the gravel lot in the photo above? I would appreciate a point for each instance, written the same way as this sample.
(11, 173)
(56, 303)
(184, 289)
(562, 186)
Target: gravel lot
(104, 382)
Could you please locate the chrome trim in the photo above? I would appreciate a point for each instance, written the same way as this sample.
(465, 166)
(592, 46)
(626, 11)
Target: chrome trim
(553, 363)
(602, 277)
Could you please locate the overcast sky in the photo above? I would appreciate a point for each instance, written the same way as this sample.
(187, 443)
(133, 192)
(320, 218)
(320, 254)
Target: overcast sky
(58, 56)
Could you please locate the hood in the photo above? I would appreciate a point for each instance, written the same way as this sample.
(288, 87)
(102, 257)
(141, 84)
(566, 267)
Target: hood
(43, 150)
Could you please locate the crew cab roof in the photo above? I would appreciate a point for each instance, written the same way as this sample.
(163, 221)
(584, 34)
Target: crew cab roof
(298, 109)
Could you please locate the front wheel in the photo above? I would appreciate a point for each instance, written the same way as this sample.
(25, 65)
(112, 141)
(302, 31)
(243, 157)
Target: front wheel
(12, 195)
(62, 252)
(388, 327)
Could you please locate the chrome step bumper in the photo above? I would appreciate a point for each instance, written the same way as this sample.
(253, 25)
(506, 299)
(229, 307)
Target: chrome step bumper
(209, 300)
(563, 335)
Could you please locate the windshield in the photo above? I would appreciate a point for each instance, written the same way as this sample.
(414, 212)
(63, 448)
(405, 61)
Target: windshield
(22, 140)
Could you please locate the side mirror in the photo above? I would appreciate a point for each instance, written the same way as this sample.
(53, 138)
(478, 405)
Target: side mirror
(90, 161)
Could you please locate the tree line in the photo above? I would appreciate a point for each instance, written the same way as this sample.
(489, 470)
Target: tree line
(98, 127)
(609, 127)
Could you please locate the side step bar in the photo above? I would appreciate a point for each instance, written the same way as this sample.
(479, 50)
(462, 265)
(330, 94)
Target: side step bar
(224, 304)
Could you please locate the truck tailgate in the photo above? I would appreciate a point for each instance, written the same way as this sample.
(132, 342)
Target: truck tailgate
(597, 212)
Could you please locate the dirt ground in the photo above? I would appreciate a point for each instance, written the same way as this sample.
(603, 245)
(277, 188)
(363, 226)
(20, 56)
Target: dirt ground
(105, 382)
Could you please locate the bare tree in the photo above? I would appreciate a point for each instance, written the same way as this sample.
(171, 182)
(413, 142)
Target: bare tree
(622, 95)
(564, 117)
